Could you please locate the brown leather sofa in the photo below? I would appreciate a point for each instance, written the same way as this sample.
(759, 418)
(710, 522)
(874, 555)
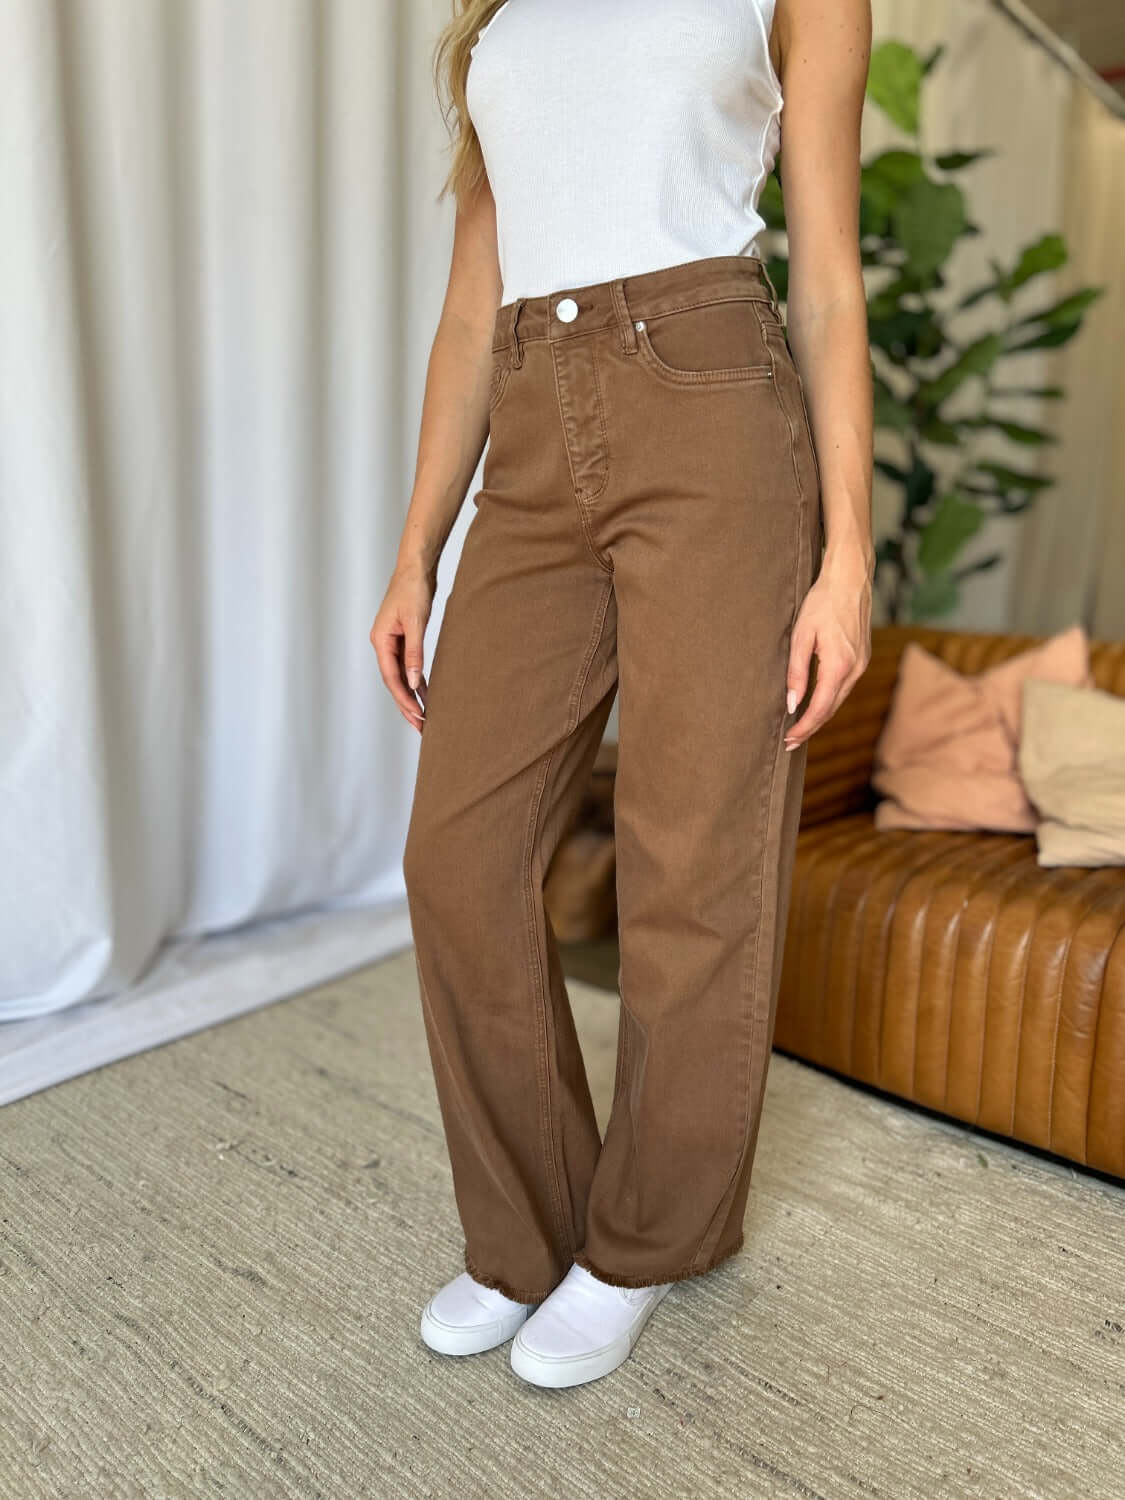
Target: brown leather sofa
(950, 968)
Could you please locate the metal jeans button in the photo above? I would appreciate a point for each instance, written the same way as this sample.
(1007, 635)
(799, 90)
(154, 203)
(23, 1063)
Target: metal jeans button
(567, 310)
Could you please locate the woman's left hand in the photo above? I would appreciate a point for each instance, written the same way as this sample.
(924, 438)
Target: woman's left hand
(834, 623)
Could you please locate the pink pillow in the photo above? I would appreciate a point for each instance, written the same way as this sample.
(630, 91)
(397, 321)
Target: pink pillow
(947, 756)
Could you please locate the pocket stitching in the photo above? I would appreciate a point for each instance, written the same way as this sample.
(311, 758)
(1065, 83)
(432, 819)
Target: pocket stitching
(499, 384)
(675, 376)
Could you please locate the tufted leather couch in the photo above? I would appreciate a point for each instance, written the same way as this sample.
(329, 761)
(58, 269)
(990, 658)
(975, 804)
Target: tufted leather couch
(950, 968)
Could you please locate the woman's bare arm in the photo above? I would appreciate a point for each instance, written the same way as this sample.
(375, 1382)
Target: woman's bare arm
(825, 47)
(454, 427)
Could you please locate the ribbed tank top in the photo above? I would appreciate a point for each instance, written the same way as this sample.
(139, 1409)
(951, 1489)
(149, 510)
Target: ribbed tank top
(623, 136)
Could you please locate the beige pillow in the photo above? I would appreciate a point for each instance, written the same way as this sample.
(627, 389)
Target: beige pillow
(1072, 760)
(946, 757)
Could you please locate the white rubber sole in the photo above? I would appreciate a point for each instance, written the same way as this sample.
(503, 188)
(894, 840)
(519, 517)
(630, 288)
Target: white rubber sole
(445, 1338)
(576, 1369)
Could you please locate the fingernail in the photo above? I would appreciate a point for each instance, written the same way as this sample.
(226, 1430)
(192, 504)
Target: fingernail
(412, 675)
(791, 744)
(791, 700)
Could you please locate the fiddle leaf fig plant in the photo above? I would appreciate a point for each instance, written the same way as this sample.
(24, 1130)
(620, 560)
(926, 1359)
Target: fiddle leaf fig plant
(957, 455)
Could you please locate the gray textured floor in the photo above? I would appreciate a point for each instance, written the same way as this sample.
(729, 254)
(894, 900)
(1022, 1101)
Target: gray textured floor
(212, 1258)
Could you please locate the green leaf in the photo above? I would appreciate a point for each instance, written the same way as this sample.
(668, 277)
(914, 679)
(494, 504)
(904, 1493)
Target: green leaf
(1030, 436)
(1012, 479)
(777, 266)
(920, 484)
(894, 82)
(980, 491)
(882, 307)
(928, 219)
(889, 410)
(906, 335)
(978, 294)
(1068, 310)
(892, 471)
(1006, 505)
(977, 359)
(1050, 338)
(938, 431)
(998, 286)
(882, 182)
(1046, 254)
(770, 204)
(898, 168)
(982, 565)
(954, 161)
(907, 284)
(934, 595)
(954, 522)
(876, 200)
(1014, 430)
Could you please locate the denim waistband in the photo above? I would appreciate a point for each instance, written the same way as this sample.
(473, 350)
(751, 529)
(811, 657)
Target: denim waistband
(626, 299)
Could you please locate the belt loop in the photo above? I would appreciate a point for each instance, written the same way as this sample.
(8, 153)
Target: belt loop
(624, 319)
(769, 283)
(517, 307)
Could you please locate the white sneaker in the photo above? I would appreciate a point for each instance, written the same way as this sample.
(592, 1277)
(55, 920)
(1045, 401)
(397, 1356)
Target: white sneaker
(467, 1318)
(583, 1330)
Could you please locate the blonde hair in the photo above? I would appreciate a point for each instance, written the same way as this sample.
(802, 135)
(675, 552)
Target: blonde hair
(451, 71)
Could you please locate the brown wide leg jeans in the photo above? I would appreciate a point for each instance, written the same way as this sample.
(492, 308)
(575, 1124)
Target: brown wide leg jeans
(648, 525)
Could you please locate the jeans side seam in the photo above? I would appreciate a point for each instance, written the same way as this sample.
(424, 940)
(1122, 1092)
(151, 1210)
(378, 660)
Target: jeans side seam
(531, 906)
(755, 963)
(765, 327)
(745, 1121)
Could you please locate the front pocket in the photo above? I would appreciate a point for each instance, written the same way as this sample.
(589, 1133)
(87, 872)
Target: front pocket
(707, 343)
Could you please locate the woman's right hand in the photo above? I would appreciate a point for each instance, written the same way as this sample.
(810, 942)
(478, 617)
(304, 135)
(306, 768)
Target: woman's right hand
(454, 430)
(397, 636)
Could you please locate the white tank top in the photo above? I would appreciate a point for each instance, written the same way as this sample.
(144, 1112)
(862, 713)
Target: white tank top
(623, 136)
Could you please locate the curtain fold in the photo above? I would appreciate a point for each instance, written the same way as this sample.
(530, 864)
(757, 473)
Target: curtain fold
(1071, 560)
(219, 276)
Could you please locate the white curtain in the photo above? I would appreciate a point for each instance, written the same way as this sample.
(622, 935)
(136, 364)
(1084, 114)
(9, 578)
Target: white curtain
(221, 264)
(1071, 559)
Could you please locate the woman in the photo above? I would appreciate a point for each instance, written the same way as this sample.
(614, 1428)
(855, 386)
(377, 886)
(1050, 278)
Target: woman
(664, 518)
